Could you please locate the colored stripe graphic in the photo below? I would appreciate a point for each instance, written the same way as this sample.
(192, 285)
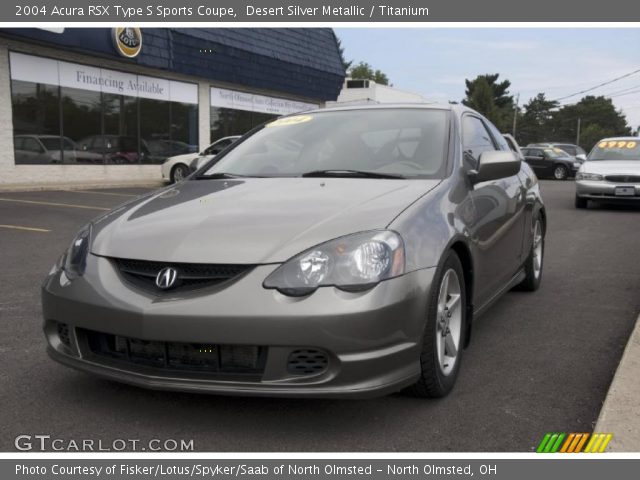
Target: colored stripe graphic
(598, 443)
(556, 442)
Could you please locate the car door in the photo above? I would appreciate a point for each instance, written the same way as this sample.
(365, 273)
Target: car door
(535, 158)
(499, 206)
(36, 153)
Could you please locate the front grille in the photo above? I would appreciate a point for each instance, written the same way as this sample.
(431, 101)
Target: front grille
(190, 276)
(307, 362)
(176, 356)
(623, 178)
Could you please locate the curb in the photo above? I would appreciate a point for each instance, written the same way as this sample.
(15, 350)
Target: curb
(620, 414)
(79, 186)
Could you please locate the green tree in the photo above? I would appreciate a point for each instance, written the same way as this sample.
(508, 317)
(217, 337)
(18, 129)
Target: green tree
(481, 98)
(534, 125)
(501, 109)
(364, 71)
(598, 118)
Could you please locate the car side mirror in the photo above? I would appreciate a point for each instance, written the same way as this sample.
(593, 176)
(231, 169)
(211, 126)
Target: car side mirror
(493, 165)
(582, 157)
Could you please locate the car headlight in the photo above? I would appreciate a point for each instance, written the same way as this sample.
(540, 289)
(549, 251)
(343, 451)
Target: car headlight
(588, 176)
(577, 164)
(353, 263)
(76, 257)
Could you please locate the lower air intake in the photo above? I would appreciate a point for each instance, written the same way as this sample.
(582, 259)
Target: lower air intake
(307, 362)
(63, 334)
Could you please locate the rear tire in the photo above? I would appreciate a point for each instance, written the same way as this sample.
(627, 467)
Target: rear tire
(444, 332)
(581, 202)
(560, 172)
(535, 260)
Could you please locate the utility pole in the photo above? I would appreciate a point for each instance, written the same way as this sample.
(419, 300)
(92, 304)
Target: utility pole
(578, 133)
(515, 115)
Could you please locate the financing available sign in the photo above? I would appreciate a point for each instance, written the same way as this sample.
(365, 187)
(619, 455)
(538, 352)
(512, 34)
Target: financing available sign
(34, 69)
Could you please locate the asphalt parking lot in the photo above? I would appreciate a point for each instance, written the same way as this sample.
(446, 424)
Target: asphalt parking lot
(537, 363)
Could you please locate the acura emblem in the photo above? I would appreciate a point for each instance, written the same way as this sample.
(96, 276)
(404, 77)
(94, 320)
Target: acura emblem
(166, 278)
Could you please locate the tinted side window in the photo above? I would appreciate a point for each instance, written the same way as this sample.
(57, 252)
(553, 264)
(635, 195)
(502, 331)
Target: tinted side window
(499, 139)
(218, 147)
(475, 139)
(31, 145)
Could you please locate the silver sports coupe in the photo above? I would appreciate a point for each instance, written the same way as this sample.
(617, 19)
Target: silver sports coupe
(339, 252)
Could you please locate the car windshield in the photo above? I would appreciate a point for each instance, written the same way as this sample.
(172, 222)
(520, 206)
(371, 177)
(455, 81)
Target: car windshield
(556, 153)
(616, 150)
(401, 142)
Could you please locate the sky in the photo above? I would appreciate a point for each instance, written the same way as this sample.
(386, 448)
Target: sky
(434, 62)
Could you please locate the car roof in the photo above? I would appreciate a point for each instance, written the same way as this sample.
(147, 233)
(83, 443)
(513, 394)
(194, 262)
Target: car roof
(611, 139)
(388, 106)
(551, 144)
(35, 135)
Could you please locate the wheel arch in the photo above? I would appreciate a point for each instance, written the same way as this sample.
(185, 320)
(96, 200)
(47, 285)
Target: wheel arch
(463, 252)
(173, 169)
(543, 216)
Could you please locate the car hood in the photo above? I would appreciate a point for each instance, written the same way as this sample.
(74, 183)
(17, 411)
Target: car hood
(184, 158)
(607, 167)
(249, 221)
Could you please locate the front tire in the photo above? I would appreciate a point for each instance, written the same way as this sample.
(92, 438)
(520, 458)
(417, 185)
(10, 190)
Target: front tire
(179, 173)
(445, 328)
(535, 260)
(581, 202)
(560, 172)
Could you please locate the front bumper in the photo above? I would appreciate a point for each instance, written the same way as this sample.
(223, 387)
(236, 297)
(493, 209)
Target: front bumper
(372, 339)
(165, 168)
(606, 191)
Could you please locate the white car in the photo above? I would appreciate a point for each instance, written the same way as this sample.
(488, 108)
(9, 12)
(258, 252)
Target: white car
(174, 169)
(611, 172)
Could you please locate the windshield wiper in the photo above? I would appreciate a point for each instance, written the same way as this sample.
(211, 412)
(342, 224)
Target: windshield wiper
(349, 174)
(218, 175)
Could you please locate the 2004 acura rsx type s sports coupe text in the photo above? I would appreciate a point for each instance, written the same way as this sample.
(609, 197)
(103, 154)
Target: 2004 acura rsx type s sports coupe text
(340, 252)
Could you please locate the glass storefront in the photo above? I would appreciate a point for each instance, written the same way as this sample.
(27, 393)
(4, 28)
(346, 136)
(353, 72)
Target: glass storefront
(78, 114)
(235, 112)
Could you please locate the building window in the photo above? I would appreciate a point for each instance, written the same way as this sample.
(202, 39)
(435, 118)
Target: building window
(67, 124)
(227, 121)
(81, 117)
(36, 117)
(235, 113)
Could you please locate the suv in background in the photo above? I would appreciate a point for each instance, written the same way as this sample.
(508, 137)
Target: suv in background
(551, 162)
(576, 151)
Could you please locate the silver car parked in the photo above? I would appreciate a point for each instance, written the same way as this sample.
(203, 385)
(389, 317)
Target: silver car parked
(611, 172)
(339, 252)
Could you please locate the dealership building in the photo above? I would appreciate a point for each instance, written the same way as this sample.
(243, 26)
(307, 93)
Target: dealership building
(109, 105)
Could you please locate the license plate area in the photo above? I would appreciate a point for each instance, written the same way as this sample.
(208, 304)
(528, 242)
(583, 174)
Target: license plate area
(624, 191)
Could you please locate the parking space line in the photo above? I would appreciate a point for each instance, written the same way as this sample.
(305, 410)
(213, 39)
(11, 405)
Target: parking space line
(28, 229)
(52, 204)
(103, 193)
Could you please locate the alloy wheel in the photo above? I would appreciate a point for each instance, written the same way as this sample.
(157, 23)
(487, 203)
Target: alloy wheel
(448, 321)
(560, 173)
(537, 249)
(179, 173)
